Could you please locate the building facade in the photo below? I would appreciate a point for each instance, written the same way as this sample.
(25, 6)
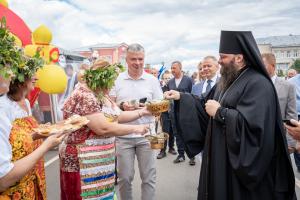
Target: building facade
(285, 48)
(113, 53)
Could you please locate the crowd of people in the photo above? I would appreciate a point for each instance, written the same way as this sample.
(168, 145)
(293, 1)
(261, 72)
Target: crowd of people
(237, 116)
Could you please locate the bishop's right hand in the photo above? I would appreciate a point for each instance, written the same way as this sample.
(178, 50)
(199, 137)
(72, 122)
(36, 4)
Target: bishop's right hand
(172, 94)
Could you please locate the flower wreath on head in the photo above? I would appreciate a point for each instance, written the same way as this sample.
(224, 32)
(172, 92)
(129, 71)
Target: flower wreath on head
(13, 62)
(28, 67)
(101, 76)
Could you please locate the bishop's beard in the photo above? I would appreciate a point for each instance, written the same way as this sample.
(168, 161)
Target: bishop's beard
(229, 72)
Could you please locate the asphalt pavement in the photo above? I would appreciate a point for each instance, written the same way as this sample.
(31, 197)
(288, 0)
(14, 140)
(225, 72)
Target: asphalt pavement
(174, 181)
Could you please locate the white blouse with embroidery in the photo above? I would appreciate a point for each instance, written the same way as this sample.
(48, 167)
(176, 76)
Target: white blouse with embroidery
(9, 111)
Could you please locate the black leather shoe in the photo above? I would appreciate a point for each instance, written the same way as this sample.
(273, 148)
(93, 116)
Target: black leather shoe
(161, 155)
(172, 151)
(179, 159)
(192, 162)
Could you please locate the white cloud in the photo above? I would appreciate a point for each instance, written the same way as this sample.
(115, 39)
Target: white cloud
(185, 30)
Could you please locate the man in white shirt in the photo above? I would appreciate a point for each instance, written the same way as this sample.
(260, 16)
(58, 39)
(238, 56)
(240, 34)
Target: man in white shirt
(131, 86)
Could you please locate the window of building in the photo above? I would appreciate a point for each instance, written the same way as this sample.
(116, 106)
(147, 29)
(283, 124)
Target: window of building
(282, 54)
(296, 54)
(288, 54)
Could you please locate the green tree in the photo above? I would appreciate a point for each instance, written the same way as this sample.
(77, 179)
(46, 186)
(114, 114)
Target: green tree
(296, 65)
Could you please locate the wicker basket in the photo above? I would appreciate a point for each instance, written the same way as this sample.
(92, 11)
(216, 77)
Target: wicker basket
(157, 145)
(157, 142)
(157, 107)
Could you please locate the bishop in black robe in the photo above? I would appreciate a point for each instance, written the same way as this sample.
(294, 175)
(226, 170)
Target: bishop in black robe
(244, 147)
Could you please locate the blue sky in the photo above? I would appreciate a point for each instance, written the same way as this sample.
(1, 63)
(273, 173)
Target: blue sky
(185, 30)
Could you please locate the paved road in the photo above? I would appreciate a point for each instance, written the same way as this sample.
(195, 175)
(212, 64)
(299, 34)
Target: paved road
(174, 182)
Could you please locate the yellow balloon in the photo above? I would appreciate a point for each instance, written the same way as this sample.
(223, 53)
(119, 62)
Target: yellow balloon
(4, 3)
(52, 79)
(42, 35)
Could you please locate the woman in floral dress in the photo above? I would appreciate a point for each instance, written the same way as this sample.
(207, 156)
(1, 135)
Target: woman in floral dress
(87, 156)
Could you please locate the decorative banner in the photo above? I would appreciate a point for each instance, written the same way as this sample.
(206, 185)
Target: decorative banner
(52, 79)
(15, 24)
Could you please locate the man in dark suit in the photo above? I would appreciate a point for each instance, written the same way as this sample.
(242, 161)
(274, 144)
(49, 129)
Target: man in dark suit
(181, 83)
(210, 68)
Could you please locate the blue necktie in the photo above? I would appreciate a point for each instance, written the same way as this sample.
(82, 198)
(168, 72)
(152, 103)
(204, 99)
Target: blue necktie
(208, 87)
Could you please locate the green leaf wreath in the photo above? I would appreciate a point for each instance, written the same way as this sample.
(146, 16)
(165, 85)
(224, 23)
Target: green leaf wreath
(102, 78)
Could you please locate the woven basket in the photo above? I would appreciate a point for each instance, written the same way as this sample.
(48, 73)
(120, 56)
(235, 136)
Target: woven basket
(157, 107)
(159, 143)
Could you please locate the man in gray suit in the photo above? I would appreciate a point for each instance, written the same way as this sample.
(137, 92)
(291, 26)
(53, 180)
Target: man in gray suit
(210, 68)
(286, 95)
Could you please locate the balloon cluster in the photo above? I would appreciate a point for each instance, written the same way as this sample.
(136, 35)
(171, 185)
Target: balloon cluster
(51, 78)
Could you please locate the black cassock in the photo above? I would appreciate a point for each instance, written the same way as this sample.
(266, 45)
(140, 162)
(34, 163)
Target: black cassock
(244, 148)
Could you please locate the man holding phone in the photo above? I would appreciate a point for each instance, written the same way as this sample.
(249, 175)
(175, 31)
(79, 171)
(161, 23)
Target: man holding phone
(135, 84)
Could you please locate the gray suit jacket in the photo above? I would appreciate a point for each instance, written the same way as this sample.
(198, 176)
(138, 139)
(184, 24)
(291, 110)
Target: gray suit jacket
(197, 88)
(287, 101)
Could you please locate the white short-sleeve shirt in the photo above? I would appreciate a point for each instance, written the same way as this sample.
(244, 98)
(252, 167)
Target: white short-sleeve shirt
(10, 110)
(127, 89)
